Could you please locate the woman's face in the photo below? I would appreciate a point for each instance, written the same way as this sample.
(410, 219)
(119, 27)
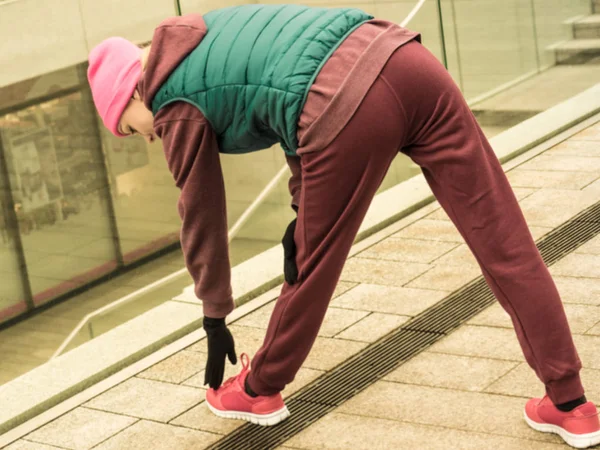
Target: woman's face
(137, 119)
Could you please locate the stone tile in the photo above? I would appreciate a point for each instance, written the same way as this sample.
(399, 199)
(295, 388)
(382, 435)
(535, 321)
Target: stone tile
(539, 232)
(451, 371)
(303, 377)
(81, 429)
(469, 411)
(493, 316)
(589, 134)
(339, 431)
(595, 330)
(391, 273)
(259, 318)
(431, 230)
(578, 290)
(338, 319)
(592, 247)
(390, 299)
(523, 382)
(445, 278)
(523, 192)
(157, 436)
(247, 340)
(201, 418)
(342, 287)
(552, 207)
(373, 327)
(176, 368)
(335, 320)
(573, 147)
(577, 265)
(587, 347)
(26, 445)
(416, 250)
(147, 399)
(197, 381)
(581, 317)
(328, 353)
(460, 256)
(551, 179)
(593, 188)
(438, 214)
(484, 342)
(563, 163)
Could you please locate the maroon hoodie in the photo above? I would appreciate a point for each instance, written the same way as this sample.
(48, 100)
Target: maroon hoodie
(192, 151)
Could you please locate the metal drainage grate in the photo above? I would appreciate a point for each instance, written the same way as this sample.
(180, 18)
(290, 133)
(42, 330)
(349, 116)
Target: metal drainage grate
(380, 358)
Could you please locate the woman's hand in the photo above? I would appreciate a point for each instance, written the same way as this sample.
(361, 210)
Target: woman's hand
(220, 345)
(290, 269)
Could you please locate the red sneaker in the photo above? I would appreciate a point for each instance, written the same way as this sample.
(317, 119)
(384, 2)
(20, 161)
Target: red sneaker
(230, 401)
(580, 428)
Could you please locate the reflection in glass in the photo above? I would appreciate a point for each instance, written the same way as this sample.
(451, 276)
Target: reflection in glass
(59, 191)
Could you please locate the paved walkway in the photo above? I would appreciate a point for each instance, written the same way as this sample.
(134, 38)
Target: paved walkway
(466, 391)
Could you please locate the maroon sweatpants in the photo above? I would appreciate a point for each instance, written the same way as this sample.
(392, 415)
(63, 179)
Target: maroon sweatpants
(416, 108)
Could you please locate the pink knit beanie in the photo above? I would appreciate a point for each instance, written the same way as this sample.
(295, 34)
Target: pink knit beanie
(113, 74)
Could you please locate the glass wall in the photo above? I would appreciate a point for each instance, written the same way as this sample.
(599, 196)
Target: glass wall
(13, 295)
(550, 17)
(83, 203)
(77, 203)
(488, 43)
(60, 194)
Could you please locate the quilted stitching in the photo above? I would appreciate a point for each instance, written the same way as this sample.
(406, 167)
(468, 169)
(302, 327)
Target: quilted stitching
(253, 94)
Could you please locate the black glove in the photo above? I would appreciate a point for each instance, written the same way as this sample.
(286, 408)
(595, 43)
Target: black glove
(290, 270)
(220, 345)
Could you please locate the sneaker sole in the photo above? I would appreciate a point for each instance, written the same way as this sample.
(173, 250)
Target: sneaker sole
(574, 440)
(265, 420)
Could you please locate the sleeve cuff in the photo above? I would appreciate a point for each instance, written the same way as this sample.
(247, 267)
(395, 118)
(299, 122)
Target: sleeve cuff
(218, 311)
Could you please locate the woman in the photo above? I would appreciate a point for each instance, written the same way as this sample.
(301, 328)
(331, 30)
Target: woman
(343, 94)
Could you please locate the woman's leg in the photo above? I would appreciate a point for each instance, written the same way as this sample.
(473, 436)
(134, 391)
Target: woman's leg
(338, 184)
(469, 182)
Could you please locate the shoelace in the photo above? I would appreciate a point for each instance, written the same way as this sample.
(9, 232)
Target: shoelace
(245, 364)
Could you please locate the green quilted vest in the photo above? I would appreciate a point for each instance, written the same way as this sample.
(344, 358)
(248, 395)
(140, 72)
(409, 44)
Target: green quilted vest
(251, 73)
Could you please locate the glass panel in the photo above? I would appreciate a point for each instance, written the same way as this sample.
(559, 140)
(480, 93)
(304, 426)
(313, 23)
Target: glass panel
(134, 19)
(59, 189)
(493, 42)
(144, 196)
(426, 22)
(40, 38)
(204, 6)
(550, 17)
(12, 292)
(502, 55)
(245, 178)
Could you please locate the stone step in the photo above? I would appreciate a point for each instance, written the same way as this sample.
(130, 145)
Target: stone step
(578, 51)
(587, 28)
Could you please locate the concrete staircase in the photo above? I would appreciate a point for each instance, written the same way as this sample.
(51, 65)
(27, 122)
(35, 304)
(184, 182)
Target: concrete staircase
(584, 48)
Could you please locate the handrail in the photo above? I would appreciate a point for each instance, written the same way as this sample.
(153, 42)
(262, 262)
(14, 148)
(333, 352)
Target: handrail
(149, 288)
(231, 234)
(413, 12)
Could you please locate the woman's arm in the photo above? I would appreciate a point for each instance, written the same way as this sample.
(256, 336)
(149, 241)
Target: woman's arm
(192, 153)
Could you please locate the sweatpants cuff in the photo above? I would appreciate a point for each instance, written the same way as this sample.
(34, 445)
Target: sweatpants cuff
(565, 390)
(260, 388)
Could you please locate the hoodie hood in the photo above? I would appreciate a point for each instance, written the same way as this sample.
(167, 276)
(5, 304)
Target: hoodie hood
(173, 40)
